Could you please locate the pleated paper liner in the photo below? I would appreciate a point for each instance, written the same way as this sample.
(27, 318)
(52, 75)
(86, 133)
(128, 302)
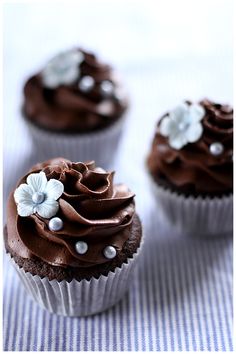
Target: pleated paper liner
(196, 216)
(80, 298)
(100, 146)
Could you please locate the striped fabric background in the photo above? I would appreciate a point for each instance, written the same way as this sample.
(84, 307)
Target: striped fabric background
(181, 296)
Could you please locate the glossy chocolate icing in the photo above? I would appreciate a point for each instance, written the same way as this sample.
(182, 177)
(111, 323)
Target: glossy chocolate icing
(69, 110)
(193, 170)
(92, 208)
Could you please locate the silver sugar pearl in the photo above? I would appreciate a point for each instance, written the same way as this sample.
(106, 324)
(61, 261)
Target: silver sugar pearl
(81, 247)
(55, 224)
(106, 88)
(216, 149)
(109, 252)
(38, 197)
(86, 84)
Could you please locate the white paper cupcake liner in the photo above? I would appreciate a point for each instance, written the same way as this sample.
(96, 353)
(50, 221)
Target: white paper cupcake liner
(195, 216)
(99, 146)
(79, 298)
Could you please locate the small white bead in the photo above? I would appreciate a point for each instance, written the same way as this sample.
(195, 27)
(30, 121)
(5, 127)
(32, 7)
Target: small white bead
(216, 149)
(38, 197)
(106, 88)
(109, 252)
(81, 247)
(55, 224)
(86, 84)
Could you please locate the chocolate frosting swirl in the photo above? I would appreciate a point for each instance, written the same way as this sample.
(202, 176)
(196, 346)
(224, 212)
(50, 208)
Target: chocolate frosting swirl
(68, 109)
(193, 170)
(92, 208)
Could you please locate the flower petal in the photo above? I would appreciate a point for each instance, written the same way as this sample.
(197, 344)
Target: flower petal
(194, 132)
(177, 141)
(54, 189)
(197, 112)
(23, 193)
(62, 69)
(167, 126)
(50, 79)
(70, 75)
(37, 181)
(179, 113)
(47, 209)
(25, 208)
(76, 57)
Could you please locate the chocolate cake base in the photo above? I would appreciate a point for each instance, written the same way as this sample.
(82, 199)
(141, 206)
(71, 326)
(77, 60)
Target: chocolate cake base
(43, 269)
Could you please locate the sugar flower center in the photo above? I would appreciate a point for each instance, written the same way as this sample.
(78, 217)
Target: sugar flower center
(183, 126)
(38, 197)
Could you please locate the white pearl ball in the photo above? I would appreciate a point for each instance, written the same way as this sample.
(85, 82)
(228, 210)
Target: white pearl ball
(216, 149)
(38, 197)
(106, 88)
(55, 224)
(109, 252)
(81, 247)
(86, 84)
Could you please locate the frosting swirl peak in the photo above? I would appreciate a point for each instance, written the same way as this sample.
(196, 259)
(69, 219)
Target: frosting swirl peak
(93, 210)
(203, 166)
(74, 93)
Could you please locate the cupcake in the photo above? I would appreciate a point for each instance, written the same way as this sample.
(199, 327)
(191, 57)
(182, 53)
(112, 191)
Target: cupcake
(75, 107)
(191, 167)
(73, 236)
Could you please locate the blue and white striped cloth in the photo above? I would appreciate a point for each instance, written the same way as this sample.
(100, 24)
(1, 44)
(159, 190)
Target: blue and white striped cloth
(181, 296)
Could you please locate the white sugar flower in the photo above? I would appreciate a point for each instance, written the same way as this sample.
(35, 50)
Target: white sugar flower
(38, 195)
(182, 125)
(63, 69)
